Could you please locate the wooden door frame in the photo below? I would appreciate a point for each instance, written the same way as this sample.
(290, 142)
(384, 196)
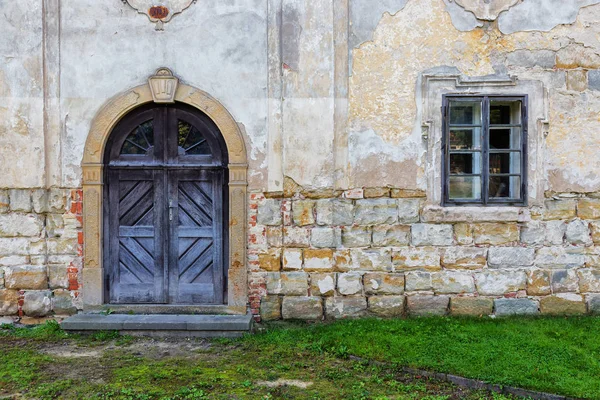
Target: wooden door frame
(93, 273)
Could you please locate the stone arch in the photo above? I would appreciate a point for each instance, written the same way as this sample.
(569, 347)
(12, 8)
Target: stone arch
(93, 173)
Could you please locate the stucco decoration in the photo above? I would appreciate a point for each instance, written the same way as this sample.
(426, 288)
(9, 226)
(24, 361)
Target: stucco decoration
(101, 128)
(163, 85)
(487, 10)
(159, 11)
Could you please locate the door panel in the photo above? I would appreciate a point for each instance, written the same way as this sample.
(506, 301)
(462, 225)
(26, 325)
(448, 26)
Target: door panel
(196, 259)
(136, 248)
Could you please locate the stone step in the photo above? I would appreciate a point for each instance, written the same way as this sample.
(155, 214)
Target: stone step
(162, 324)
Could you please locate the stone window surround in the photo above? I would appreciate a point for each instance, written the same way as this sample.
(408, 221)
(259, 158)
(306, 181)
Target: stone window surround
(449, 81)
(92, 166)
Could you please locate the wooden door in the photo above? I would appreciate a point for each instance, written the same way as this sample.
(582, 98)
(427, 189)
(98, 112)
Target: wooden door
(164, 208)
(196, 245)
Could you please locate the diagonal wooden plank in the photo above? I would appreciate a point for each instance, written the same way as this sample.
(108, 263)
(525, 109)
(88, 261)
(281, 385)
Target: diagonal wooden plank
(131, 199)
(137, 260)
(195, 211)
(192, 256)
(138, 211)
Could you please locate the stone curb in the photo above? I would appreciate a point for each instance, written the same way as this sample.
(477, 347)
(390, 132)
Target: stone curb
(472, 383)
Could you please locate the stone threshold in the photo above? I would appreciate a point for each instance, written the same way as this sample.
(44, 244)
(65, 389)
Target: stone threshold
(469, 383)
(166, 309)
(162, 325)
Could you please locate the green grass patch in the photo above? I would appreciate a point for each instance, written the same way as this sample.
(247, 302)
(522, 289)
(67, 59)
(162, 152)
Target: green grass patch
(557, 355)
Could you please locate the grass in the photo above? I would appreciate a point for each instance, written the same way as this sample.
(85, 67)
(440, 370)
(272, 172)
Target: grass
(557, 355)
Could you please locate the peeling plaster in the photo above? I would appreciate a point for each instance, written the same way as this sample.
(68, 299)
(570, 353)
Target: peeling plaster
(462, 19)
(365, 16)
(541, 15)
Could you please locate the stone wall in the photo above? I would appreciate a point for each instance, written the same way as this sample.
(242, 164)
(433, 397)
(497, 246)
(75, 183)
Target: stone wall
(381, 251)
(40, 252)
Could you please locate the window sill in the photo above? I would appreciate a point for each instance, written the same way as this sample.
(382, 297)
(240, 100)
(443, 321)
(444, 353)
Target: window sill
(436, 213)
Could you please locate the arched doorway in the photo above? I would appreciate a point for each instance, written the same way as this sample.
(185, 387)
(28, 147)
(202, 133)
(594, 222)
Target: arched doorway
(165, 203)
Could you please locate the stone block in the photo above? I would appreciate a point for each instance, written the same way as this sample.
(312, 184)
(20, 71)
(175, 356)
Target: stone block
(589, 280)
(14, 246)
(595, 231)
(410, 258)
(560, 209)
(62, 245)
(38, 247)
(471, 306)
(39, 201)
(318, 260)
(12, 225)
(532, 58)
(349, 283)
(270, 261)
(565, 281)
(506, 307)
(274, 236)
(9, 302)
(322, 237)
(423, 305)
(296, 236)
(464, 257)
(37, 303)
(594, 79)
(269, 212)
(495, 233)
(58, 277)
(4, 201)
(305, 308)
(57, 200)
(371, 260)
(577, 80)
(54, 225)
(324, 211)
(386, 306)
(303, 212)
(593, 303)
(510, 257)
(318, 194)
(565, 304)
(345, 307)
(463, 234)
(292, 259)
(336, 212)
(342, 260)
(356, 236)
(407, 193)
(376, 192)
(538, 282)
(62, 303)
(391, 235)
(452, 282)
(408, 210)
(272, 279)
(588, 209)
(578, 232)
(20, 200)
(498, 283)
(533, 233)
(432, 235)
(28, 277)
(11, 261)
(555, 232)
(270, 308)
(322, 284)
(558, 258)
(375, 212)
(418, 281)
(294, 283)
(377, 283)
(356, 193)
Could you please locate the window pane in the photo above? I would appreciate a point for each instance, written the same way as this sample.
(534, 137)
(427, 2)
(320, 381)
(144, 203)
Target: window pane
(465, 187)
(191, 141)
(508, 187)
(140, 140)
(465, 112)
(505, 112)
(505, 163)
(465, 163)
(465, 138)
(505, 138)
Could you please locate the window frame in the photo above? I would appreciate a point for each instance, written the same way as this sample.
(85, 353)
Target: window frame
(485, 150)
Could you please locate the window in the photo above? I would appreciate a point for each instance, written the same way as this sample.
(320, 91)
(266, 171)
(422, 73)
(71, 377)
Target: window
(484, 150)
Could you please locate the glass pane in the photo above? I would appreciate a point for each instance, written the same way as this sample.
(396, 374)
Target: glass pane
(505, 112)
(508, 187)
(465, 112)
(140, 140)
(465, 138)
(191, 141)
(505, 138)
(465, 187)
(465, 163)
(505, 163)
